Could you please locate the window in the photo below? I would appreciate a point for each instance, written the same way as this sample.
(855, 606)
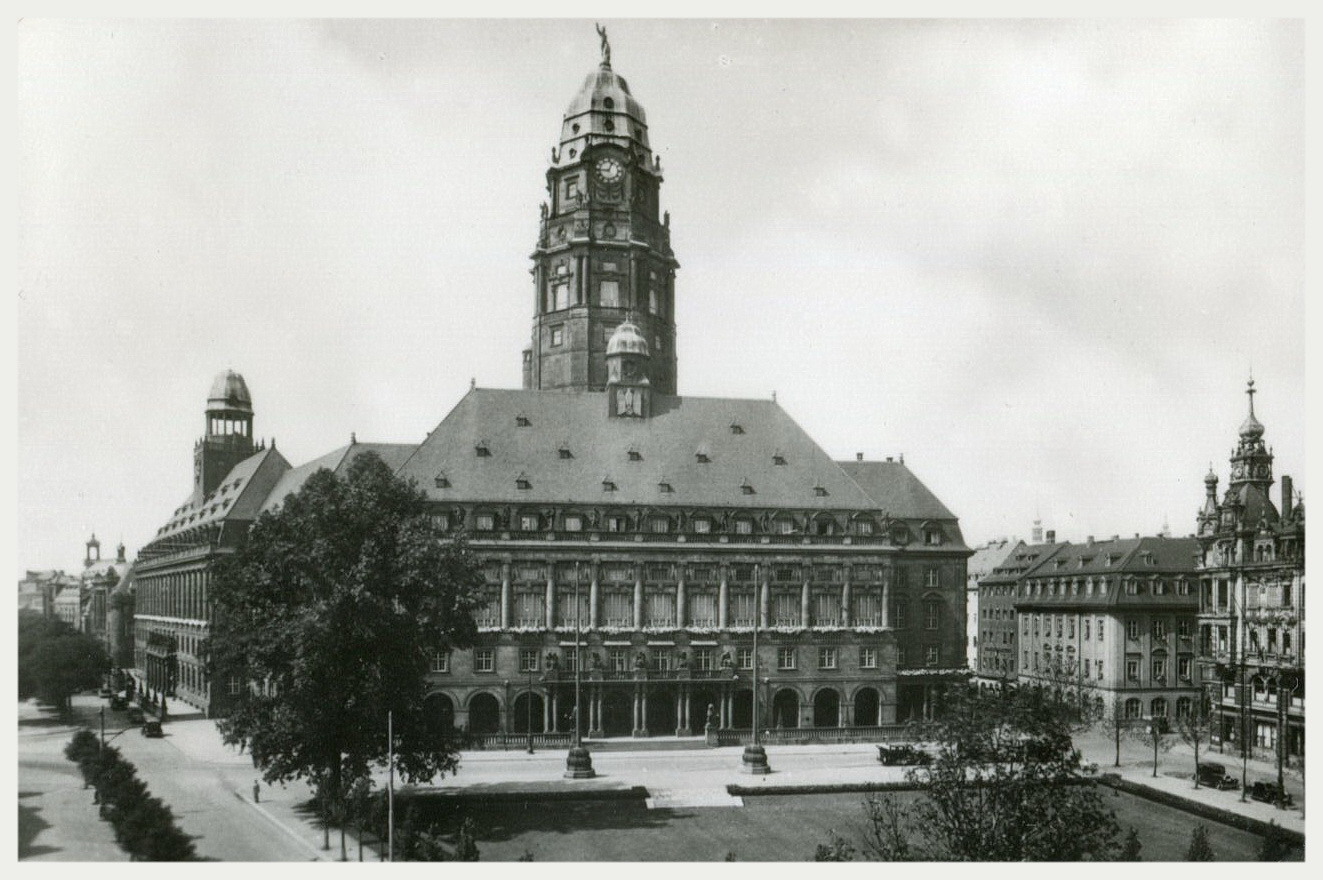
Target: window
(702, 526)
(635, 455)
(442, 481)
(1160, 669)
(703, 659)
(610, 486)
(932, 536)
(821, 492)
(484, 660)
(560, 295)
(1132, 630)
(932, 614)
(659, 606)
(778, 459)
(932, 578)
(530, 610)
(1183, 707)
(902, 655)
(826, 658)
(863, 527)
(743, 527)
(1134, 708)
(785, 609)
(235, 685)
(1158, 708)
(573, 523)
(747, 488)
(785, 526)
(1184, 667)
(528, 659)
(1085, 625)
(785, 658)
(1159, 629)
(744, 657)
(1070, 628)
(868, 658)
(440, 661)
(743, 608)
(528, 522)
(1098, 665)
(1132, 669)
(571, 187)
(484, 522)
(619, 609)
(609, 292)
(702, 457)
(558, 332)
(482, 450)
(659, 525)
(661, 659)
(619, 659)
(930, 655)
(702, 609)
(1100, 629)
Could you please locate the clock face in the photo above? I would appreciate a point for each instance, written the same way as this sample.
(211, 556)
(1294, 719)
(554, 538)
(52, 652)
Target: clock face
(1238, 471)
(609, 170)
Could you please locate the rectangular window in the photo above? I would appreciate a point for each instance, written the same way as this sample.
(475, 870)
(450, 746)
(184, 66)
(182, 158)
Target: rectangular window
(744, 656)
(1132, 669)
(1132, 630)
(530, 610)
(930, 655)
(574, 523)
(702, 611)
(484, 660)
(615, 523)
(1085, 624)
(610, 293)
(619, 609)
(1159, 630)
(560, 294)
(902, 656)
(933, 578)
(565, 610)
(785, 609)
(868, 658)
(440, 661)
(659, 608)
(826, 658)
(702, 526)
(661, 659)
(528, 659)
(932, 614)
(743, 608)
(1098, 665)
(902, 614)
(1184, 628)
(484, 522)
(1184, 667)
(235, 685)
(826, 609)
(1070, 628)
(743, 527)
(1100, 629)
(703, 659)
(1159, 669)
(659, 525)
(619, 659)
(867, 609)
(785, 658)
(528, 522)
(558, 333)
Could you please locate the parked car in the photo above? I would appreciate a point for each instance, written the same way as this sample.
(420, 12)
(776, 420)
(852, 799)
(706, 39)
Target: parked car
(1270, 793)
(152, 728)
(135, 715)
(902, 754)
(118, 703)
(1215, 775)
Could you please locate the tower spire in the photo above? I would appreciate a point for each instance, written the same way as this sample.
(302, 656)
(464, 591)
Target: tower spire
(1249, 390)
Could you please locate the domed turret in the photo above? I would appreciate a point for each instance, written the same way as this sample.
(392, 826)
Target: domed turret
(603, 111)
(228, 438)
(229, 391)
(627, 339)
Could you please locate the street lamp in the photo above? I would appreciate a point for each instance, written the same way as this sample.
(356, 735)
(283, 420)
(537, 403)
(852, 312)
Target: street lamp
(754, 759)
(578, 763)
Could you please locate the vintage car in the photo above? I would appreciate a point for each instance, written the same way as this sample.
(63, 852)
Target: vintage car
(151, 727)
(1215, 775)
(1270, 793)
(136, 715)
(902, 754)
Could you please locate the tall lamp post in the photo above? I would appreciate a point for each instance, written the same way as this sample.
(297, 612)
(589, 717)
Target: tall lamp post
(754, 759)
(578, 763)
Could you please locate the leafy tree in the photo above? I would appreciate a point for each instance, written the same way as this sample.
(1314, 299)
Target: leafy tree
(1007, 785)
(1200, 849)
(1276, 846)
(1130, 849)
(466, 845)
(55, 661)
(1157, 734)
(1193, 728)
(332, 610)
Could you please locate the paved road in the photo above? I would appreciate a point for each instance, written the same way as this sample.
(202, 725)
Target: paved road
(210, 797)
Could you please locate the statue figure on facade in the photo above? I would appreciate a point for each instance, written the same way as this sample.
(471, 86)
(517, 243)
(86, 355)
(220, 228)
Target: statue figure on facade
(641, 660)
(597, 660)
(684, 660)
(711, 723)
(726, 661)
(606, 46)
(553, 660)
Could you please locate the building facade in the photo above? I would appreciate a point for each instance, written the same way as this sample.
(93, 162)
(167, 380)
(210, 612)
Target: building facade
(1252, 603)
(979, 566)
(998, 663)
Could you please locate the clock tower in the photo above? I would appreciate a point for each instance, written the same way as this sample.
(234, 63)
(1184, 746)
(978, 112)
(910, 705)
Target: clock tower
(1251, 461)
(604, 250)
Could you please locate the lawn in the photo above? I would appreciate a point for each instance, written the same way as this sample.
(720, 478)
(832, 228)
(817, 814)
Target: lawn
(768, 828)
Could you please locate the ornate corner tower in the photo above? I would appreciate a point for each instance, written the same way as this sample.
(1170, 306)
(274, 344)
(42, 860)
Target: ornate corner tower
(1251, 462)
(229, 435)
(603, 250)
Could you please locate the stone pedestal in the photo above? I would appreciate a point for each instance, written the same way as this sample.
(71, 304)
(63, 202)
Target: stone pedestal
(755, 761)
(579, 764)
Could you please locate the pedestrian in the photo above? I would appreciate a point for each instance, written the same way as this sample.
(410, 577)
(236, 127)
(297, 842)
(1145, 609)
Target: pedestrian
(257, 792)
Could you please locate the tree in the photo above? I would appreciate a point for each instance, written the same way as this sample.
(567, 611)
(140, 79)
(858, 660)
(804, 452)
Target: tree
(1157, 735)
(1200, 849)
(1006, 785)
(1276, 846)
(1193, 728)
(56, 661)
(1130, 849)
(331, 611)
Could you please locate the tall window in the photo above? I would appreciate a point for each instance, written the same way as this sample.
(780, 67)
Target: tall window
(743, 608)
(661, 659)
(440, 661)
(932, 614)
(528, 659)
(930, 655)
(744, 657)
(1100, 629)
(619, 659)
(1158, 708)
(565, 612)
(1160, 669)
(1159, 629)
(610, 293)
(619, 608)
(659, 605)
(868, 658)
(867, 609)
(484, 660)
(488, 614)
(1134, 708)
(702, 609)
(785, 658)
(703, 659)
(902, 613)
(1098, 665)
(1132, 669)
(1132, 630)
(785, 609)
(826, 658)
(826, 609)
(1184, 667)
(530, 609)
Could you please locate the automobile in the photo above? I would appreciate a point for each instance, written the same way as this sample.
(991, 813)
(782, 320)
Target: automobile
(135, 715)
(151, 727)
(1215, 775)
(902, 754)
(1270, 793)
(118, 703)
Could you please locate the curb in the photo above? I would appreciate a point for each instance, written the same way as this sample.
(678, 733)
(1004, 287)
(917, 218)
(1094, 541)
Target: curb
(634, 793)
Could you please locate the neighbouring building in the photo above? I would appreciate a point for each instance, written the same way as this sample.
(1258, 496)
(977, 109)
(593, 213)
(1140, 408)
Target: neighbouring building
(664, 527)
(997, 663)
(979, 566)
(38, 589)
(1113, 623)
(1252, 602)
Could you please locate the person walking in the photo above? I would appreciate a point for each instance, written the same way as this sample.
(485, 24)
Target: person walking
(257, 791)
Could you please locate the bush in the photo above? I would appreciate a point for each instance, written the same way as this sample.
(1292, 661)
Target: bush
(1276, 846)
(1200, 849)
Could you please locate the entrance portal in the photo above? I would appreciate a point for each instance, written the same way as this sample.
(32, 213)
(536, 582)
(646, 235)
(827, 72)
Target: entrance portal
(827, 708)
(661, 719)
(527, 714)
(484, 714)
(617, 713)
(866, 706)
(785, 709)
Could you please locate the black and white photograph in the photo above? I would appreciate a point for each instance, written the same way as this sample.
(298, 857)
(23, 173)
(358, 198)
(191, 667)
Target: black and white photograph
(678, 439)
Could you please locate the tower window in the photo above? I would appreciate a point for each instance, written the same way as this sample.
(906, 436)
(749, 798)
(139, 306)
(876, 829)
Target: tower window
(609, 293)
(482, 449)
(572, 188)
(558, 332)
(609, 103)
(609, 124)
(560, 299)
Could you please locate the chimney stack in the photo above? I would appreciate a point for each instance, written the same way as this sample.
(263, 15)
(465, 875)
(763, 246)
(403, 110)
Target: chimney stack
(1051, 536)
(1287, 500)
(858, 456)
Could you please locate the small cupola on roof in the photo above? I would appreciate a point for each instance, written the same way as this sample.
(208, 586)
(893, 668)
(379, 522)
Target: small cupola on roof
(628, 388)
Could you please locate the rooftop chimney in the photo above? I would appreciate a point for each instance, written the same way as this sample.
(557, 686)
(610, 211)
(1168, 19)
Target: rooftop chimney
(1089, 540)
(1287, 488)
(858, 456)
(1051, 536)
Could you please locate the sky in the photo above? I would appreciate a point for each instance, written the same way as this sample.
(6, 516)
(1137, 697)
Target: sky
(1038, 258)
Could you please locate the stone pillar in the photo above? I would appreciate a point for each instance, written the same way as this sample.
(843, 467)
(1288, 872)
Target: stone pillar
(845, 599)
(505, 595)
(555, 710)
(638, 596)
(680, 598)
(723, 601)
(643, 711)
(551, 594)
(886, 597)
(546, 712)
(594, 614)
(764, 599)
(637, 725)
(804, 618)
(680, 726)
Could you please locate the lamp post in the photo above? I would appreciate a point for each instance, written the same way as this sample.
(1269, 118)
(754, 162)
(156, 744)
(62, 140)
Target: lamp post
(578, 763)
(1287, 683)
(528, 703)
(754, 759)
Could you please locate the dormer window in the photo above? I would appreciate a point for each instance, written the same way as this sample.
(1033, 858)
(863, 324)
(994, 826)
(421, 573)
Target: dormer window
(665, 488)
(635, 455)
(736, 428)
(701, 456)
(482, 449)
(932, 536)
(747, 488)
(778, 459)
(565, 452)
(863, 527)
(820, 491)
(608, 485)
(521, 421)
(522, 482)
(442, 481)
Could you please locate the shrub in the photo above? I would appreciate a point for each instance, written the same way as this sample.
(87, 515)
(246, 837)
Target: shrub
(1200, 850)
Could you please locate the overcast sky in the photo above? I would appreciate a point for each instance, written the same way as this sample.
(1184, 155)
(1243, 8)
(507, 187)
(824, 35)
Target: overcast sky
(1038, 258)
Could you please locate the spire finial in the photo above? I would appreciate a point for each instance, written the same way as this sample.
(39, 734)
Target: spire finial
(1250, 391)
(606, 46)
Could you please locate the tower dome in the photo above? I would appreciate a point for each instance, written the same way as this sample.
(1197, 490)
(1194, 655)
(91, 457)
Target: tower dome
(627, 339)
(230, 391)
(1250, 429)
(603, 111)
